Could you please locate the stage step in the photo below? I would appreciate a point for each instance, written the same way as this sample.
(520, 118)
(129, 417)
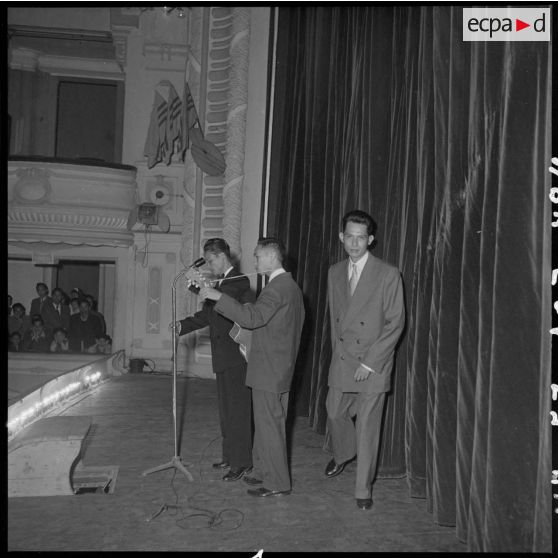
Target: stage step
(41, 456)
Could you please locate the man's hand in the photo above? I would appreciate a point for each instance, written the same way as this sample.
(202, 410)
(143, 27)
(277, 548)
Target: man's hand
(210, 293)
(194, 277)
(362, 373)
(175, 327)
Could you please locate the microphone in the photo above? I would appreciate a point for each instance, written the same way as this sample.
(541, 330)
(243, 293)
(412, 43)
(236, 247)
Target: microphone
(198, 263)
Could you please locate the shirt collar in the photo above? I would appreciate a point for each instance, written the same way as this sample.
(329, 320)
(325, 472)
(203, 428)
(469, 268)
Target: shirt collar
(228, 271)
(359, 264)
(276, 272)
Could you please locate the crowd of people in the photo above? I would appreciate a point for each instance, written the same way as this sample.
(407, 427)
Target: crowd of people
(57, 323)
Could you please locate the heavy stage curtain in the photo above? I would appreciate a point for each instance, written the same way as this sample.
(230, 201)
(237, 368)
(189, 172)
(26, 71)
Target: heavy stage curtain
(446, 144)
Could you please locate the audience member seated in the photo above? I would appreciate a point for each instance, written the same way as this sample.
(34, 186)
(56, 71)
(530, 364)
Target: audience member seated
(14, 342)
(59, 315)
(93, 306)
(85, 329)
(19, 321)
(42, 302)
(104, 345)
(60, 343)
(37, 339)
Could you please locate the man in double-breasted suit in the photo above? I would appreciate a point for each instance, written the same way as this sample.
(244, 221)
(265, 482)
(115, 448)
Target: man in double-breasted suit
(366, 309)
(229, 365)
(276, 320)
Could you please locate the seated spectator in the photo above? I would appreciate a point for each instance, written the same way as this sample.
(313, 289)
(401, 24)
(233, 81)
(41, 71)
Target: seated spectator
(37, 339)
(60, 343)
(104, 345)
(19, 321)
(14, 342)
(84, 330)
(93, 306)
(74, 306)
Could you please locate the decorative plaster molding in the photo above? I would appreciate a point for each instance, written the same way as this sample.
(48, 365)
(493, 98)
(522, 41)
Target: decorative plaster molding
(80, 67)
(120, 40)
(165, 56)
(70, 204)
(33, 186)
(24, 59)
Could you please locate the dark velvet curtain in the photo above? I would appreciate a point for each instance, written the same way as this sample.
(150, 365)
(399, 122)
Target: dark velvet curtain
(446, 144)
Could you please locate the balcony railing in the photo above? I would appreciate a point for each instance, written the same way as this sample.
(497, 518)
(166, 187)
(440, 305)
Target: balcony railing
(70, 201)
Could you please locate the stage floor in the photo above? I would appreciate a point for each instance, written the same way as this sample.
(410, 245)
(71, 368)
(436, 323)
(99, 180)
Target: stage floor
(133, 430)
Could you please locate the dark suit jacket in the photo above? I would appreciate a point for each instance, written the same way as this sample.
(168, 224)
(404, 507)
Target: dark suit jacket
(276, 319)
(36, 306)
(88, 331)
(53, 319)
(365, 328)
(225, 352)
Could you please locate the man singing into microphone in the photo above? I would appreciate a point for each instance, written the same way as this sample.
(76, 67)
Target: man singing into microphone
(229, 366)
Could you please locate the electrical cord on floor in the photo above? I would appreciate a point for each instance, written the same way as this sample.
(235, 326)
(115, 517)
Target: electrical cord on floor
(214, 519)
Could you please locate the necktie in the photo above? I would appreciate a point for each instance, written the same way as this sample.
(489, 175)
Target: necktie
(353, 280)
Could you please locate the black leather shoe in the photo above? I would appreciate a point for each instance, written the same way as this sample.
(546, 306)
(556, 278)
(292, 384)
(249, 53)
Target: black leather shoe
(252, 480)
(364, 503)
(333, 469)
(236, 473)
(263, 492)
(221, 465)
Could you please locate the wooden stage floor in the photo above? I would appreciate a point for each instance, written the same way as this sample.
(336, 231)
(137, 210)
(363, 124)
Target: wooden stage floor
(133, 430)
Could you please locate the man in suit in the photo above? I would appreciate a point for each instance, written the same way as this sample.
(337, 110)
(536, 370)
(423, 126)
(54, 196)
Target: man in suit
(43, 303)
(229, 366)
(84, 330)
(367, 316)
(57, 313)
(276, 320)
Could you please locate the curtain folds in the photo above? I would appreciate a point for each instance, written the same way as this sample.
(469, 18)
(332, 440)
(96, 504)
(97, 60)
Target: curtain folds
(446, 144)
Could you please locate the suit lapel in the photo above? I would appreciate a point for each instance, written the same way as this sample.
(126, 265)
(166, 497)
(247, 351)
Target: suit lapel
(362, 292)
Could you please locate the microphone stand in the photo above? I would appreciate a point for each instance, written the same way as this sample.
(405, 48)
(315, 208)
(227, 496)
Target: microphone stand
(176, 461)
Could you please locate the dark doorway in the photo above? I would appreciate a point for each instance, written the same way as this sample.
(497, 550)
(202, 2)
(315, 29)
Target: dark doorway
(81, 274)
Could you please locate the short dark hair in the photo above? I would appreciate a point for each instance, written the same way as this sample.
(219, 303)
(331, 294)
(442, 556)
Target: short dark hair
(18, 305)
(275, 244)
(217, 246)
(59, 329)
(58, 290)
(361, 218)
(41, 285)
(37, 318)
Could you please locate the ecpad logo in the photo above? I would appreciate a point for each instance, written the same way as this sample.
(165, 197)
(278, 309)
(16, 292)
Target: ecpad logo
(506, 24)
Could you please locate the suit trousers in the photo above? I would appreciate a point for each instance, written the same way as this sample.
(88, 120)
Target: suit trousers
(361, 437)
(269, 454)
(235, 416)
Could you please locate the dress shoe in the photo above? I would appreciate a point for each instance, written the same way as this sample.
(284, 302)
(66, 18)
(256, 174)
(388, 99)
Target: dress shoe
(364, 503)
(252, 480)
(236, 473)
(333, 469)
(263, 492)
